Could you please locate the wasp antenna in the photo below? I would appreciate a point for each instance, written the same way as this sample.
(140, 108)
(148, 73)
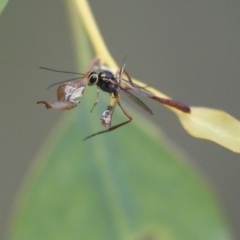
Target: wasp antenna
(54, 84)
(60, 71)
(123, 67)
(124, 64)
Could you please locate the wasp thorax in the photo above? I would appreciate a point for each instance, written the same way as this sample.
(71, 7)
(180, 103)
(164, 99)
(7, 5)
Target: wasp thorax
(106, 76)
(92, 78)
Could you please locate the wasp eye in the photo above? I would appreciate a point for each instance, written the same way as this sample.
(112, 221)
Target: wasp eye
(92, 78)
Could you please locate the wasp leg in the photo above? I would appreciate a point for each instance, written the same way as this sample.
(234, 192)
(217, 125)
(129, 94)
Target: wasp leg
(97, 100)
(116, 126)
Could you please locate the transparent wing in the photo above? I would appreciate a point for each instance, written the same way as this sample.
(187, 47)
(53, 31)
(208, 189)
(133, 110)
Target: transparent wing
(138, 101)
(138, 89)
(170, 102)
(132, 86)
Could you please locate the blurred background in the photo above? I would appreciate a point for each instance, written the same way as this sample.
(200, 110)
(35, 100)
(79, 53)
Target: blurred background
(189, 50)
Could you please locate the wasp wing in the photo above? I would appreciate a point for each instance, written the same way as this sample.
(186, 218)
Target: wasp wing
(125, 84)
(129, 85)
(137, 101)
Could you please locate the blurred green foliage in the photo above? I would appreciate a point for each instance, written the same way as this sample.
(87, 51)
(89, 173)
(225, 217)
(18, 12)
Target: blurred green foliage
(127, 184)
(3, 4)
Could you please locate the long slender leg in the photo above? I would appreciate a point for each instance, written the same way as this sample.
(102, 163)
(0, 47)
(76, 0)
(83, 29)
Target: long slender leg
(123, 123)
(95, 61)
(116, 126)
(97, 100)
(129, 78)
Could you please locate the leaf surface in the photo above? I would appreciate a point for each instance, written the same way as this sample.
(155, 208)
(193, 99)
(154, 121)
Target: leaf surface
(123, 185)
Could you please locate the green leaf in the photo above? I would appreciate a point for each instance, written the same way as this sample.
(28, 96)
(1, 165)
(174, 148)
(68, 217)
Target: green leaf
(3, 4)
(123, 185)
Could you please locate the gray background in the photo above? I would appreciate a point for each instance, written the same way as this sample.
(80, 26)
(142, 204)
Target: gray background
(189, 50)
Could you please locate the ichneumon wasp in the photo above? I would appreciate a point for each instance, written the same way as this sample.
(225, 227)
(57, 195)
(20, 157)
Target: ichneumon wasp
(69, 93)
